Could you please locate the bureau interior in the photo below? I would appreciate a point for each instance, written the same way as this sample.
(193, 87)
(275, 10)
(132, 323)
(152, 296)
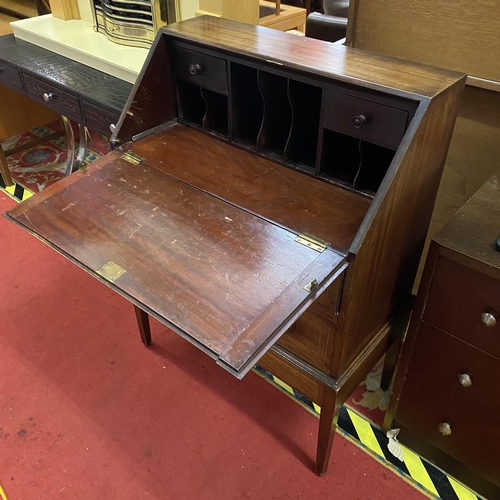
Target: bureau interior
(315, 126)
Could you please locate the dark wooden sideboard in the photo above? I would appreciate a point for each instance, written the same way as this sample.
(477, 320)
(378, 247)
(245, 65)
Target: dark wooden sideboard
(268, 200)
(445, 397)
(81, 93)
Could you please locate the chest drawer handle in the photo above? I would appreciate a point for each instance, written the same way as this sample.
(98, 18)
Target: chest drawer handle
(48, 96)
(465, 380)
(488, 319)
(359, 121)
(444, 429)
(194, 69)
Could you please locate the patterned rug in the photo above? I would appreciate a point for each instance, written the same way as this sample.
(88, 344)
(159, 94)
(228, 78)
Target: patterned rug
(40, 166)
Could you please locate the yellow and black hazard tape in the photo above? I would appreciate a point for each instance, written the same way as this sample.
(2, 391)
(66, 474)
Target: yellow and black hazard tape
(2, 494)
(17, 192)
(421, 473)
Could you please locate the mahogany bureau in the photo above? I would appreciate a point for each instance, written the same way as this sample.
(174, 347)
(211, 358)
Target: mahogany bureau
(268, 200)
(445, 397)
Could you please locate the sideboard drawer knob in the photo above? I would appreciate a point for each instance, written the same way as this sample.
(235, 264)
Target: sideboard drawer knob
(359, 121)
(465, 380)
(444, 428)
(194, 69)
(48, 96)
(112, 127)
(488, 319)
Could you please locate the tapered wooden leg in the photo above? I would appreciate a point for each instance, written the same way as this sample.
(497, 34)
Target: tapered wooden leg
(143, 324)
(4, 169)
(327, 425)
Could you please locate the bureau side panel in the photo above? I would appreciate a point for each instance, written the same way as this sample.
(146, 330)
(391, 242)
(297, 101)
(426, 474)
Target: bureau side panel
(152, 100)
(387, 249)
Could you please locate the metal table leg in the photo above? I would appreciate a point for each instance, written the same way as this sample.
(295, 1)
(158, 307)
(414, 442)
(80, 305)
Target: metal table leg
(71, 164)
(82, 147)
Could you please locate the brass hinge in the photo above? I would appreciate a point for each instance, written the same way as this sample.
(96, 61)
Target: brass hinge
(111, 271)
(311, 285)
(311, 241)
(131, 157)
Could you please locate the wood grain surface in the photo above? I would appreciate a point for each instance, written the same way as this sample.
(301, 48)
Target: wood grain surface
(315, 56)
(19, 113)
(65, 9)
(142, 111)
(458, 35)
(289, 198)
(227, 279)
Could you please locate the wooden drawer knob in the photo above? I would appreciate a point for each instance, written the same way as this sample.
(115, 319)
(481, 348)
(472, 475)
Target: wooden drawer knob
(359, 121)
(465, 380)
(444, 429)
(194, 69)
(488, 319)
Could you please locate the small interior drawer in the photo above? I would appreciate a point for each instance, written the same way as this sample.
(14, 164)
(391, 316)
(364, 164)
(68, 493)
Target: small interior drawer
(441, 361)
(474, 436)
(201, 69)
(311, 337)
(63, 102)
(99, 119)
(10, 77)
(457, 299)
(364, 119)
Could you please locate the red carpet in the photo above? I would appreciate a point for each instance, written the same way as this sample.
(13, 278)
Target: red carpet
(87, 412)
(38, 167)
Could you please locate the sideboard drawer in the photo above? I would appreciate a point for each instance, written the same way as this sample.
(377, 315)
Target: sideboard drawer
(10, 77)
(99, 119)
(458, 297)
(455, 369)
(365, 119)
(63, 102)
(474, 436)
(201, 69)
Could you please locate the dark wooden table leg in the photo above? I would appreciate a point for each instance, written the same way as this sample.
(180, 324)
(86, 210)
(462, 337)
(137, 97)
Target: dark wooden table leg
(327, 426)
(390, 361)
(143, 324)
(396, 336)
(4, 169)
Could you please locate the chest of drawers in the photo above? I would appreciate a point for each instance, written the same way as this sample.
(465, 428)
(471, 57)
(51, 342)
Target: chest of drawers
(445, 395)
